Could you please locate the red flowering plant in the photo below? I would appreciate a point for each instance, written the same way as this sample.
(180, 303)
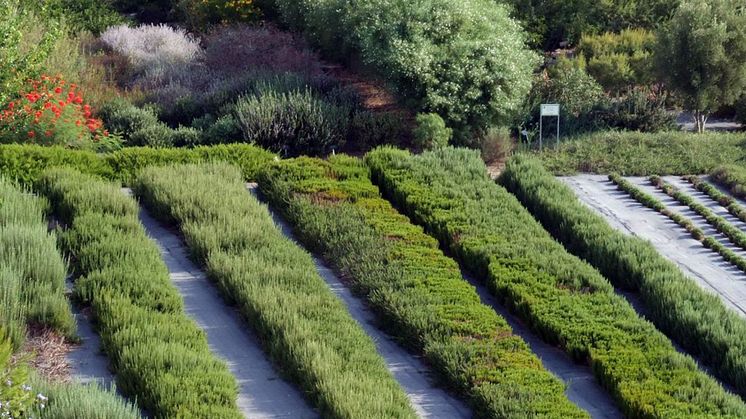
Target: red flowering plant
(51, 112)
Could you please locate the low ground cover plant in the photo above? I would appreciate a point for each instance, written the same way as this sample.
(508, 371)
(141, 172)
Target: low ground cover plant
(694, 318)
(731, 177)
(25, 163)
(304, 328)
(418, 292)
(723, 199)
(160, 356)
(33, 272)
(66, 400)
(645, 154)
(563, 298)
(733, 233)
(696, 232)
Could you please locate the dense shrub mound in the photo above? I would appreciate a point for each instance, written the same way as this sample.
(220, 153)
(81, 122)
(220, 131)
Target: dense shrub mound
(304, 328)
(416, 290)
(25, 163)
(731, 177)
(32, 271)
(160, 356)
(563, 298)
(464, 60)
(676, 304)
(641, 154)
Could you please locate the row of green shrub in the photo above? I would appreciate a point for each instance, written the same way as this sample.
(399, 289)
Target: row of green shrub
(160, 356)
(645, 154)
(305, 329)
(32, 271)
(417, 292)
(466, 60)
(694, 318)
(697, 233)
(732, 177)
(25, 163)
(734, 234)
(721, 198)
(564, 299)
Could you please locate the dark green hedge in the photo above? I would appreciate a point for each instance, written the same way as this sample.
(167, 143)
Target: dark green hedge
(693, 317)
(304, 328)
(160, 356)
(25, 163)
(417, 292)
(564, 299)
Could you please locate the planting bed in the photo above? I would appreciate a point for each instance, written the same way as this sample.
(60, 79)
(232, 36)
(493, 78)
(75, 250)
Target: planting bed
(417, 292)
(262, 393)
(693, 317)
(622, 212)
(304, 328)
(563, 298)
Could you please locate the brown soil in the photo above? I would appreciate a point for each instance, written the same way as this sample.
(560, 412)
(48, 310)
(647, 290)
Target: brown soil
(47, 351)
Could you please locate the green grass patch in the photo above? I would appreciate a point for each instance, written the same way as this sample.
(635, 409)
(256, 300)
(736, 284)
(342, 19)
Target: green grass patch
(646, 154)
(696, 319)
(565, 300)
(304, 328)
(417, 292)
(160, 356)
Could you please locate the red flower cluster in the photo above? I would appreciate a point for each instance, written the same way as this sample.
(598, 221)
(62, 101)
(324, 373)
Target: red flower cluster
(50, 105)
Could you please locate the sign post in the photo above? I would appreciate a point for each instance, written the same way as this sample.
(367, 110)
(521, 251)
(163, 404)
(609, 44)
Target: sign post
(548, 109)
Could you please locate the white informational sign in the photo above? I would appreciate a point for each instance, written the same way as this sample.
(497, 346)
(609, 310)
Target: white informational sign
(550, 109)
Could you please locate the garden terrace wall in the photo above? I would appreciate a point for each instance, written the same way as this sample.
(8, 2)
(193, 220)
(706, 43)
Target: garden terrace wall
(32, 271)
(645, 154)
(25, 163)
(418, 293)
(305, 329)
(563, 298)
(159, 355)
(697, 320)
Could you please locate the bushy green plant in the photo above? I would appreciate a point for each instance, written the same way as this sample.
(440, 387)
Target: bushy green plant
(417, 292)
(431, 132)
(644, 154)
(294, 123)
(33, 271)
(641, 109)
(732, 177)
(304, 328)
(15, 399)
(466, 61)
(65, 401)
(562, 297)
(160, 356)
(619, 60)
(698, 321)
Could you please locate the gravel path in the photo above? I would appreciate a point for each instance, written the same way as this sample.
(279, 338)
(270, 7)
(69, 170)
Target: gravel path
(412, 374)
(262, 393)
(87, 362)
(622, 212)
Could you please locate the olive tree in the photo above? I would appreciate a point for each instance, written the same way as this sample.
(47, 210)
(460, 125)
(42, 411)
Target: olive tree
(701, 55)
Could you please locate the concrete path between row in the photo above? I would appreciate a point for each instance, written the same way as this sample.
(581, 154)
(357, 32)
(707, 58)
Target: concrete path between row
(409, 370)
(622, 212)
(262, 393)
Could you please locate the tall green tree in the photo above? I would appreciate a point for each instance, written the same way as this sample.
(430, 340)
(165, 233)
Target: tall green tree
(701, 54)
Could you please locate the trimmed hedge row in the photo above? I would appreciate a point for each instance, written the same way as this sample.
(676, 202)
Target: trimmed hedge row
(417, 292)
(25, 163)
(713, 192)
(733, 178)
(305, 329)
(32, 271)
(563, 298)
(160, 356)
(693, 317)
(734, 234)
(651, 202)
